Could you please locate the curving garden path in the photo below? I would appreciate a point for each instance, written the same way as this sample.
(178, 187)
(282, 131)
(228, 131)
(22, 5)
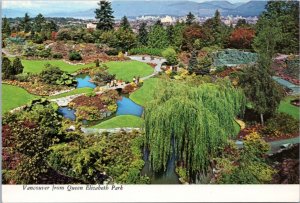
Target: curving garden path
(64, 101)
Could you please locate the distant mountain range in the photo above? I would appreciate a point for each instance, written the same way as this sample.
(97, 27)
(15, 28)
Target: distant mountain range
(174, 8)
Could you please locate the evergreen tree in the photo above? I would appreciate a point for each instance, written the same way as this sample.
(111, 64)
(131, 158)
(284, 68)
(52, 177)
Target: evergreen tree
(241, 23)
(104, 15)
(38, 23)
(259, 87)
(193, 62)
(124, 24)
(17, 66)
(26, 23)
(285, 16)
(158, 23)
(178, 34)
(6, 27)
(265, 42)
(158, 37)
(170, 32)
(7, 70)
(190, 18)
(143, 34)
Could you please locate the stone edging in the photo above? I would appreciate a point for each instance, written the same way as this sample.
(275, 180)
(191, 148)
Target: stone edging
(109, 130)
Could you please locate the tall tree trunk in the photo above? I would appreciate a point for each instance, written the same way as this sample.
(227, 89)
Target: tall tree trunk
(262, 119)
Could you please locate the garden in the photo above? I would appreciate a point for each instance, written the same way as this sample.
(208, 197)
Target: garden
(171, 104)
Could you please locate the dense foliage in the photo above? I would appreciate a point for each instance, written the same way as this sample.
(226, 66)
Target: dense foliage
(10, 70)
(260, 89)
(245, 166)
(114, 158)
(54, 76)
(28, 136)
(198, 118)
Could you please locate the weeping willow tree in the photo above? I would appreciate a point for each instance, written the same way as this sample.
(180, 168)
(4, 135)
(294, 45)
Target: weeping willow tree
(199, 118)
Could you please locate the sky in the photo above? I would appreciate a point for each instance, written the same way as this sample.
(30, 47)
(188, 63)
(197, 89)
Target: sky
(63, 4)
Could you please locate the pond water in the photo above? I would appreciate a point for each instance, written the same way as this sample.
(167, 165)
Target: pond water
(84, 81)
(67, 113)
(167, 177)
(127, 107)
(287, 84)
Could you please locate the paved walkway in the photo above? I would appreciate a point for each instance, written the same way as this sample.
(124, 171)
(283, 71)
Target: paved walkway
(275, 145)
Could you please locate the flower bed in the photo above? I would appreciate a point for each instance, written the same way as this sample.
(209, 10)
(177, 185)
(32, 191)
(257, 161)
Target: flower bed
(38, 88)
(95, 107)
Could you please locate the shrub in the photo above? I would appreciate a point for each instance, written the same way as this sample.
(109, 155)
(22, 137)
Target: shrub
(45, 53)
(145, 50)
(89, 113)
(171, 56)
(54, 76)
(283, 123)
(73, 55)
(112, 52)
(57, 56)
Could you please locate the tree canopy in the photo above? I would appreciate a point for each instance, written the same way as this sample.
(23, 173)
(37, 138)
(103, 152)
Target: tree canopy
(105, 16)
(198, 118)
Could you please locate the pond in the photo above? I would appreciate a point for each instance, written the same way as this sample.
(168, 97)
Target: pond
(127, 107)
(167, 177)
(67, 113)
(83, 80)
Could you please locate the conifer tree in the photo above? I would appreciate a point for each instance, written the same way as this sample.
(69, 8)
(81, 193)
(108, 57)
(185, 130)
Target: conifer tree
(104, 15)
(193, 62)
(6, 68)
(6, 27)
(125, 24)
(17, 66)
(190, 18)
(26, 23)
(143, 34)
(158, 37)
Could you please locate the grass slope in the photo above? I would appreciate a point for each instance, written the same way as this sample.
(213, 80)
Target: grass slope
(126, 70)
(145, 93)
(286, 107)
(13, 97)
(36, 66)
(121, 122)
(73, 92)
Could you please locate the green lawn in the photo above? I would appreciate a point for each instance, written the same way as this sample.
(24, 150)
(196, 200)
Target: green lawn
(286, 107)
(13, 97)
(121, 122)
(126, 70)
(73, 92)
(145, 93)
(36, 66)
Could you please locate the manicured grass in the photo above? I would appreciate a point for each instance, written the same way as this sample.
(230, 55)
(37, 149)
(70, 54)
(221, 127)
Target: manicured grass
(145, 93)
(73, 92)
(126, 70)
(286, 107)
(13, 97)
(121, 122)
(36, 66)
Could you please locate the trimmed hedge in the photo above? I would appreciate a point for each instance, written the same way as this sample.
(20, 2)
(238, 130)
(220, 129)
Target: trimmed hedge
(146, 50)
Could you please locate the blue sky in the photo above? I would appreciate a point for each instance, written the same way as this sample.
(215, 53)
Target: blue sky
(63, 4)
